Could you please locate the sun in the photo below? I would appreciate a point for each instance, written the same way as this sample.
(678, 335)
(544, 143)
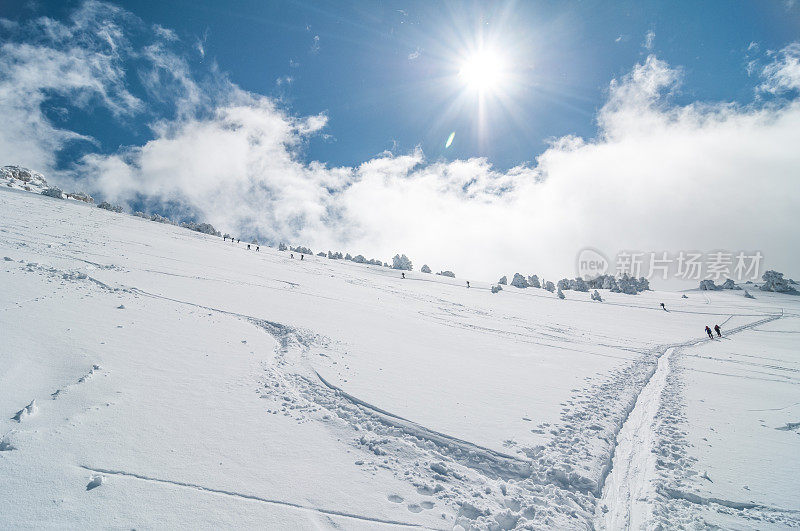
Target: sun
(483, 71)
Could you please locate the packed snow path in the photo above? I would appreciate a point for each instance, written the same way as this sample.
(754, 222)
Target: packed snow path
(155, 377)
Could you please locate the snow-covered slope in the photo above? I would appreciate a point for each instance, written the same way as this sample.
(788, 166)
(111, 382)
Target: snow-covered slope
(158, 377)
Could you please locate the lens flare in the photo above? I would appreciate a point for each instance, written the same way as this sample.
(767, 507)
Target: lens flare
(450, 140)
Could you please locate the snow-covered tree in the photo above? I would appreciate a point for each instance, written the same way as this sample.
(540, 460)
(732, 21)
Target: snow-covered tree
(708, 285)
(282, 246)
(578, 284)
(503, 280)
(496, 289)
(425, 269)
(563, 283)
(644, 284)
(549, 286)
(560, 293)
(533, 281)
(519, 281)
(747, 295)
(348, 256)
(774, 281)
(596, 296)
(401, 262)
(359, 259)
(729, 284)
(53, 192)
(447, 274)
(322, 254)
(105, 205)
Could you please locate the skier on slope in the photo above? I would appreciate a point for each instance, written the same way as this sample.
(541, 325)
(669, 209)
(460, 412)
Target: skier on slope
(302, 256)
(708, 331)
(663, 307)
(717, 330)
(467, 283)
(248, 246)
(402, 275)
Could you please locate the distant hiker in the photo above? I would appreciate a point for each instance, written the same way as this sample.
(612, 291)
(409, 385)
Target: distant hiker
(467, 283)
(402, 275)
(237, 240)
(291, 255)
(663, 307)
(708, 331)
(248, 246)
(717, 330)
(224, 238)
(302, 256)
(257, 248)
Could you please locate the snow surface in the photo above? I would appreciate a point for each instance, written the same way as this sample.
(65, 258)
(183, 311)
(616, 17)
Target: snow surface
(158, 377)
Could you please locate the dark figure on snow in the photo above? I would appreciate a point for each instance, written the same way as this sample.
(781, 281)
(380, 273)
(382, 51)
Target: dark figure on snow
(717, 330)
(291, 255)
(467, 283)
(224, 238)
(257, 248)
(402, 275)
(237, 240)
(248, 246)
(708, 331)
(302, 256)
(663, 307)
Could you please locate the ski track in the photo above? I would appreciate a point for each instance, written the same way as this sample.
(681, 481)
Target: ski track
(627, 489)
(253, 497)
(545, 487)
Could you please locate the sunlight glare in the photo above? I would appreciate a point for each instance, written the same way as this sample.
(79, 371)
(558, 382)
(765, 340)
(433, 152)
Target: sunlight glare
(483, 71)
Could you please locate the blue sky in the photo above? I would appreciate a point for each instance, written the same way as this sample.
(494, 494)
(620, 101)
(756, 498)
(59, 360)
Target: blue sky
(383, 72)
(324, 123)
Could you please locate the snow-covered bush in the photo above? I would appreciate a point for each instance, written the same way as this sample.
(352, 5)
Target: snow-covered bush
(708, 285)
(747, 295)
(348, 256)
(519, 281)
(563, 283)
(628, 285)
(302, 250)
(282, 246)
(533, 281)
(359, 259)
(447, 274)
(53, 192)
(774, 281)
(496, 289)
(81, 196)
(322, 254)
(401, 262)
(503, 280)
(425, 269)
(596, 296)
(560, 293)
(205, 228)
(729, 284)
(140, 214)
(105, 205)
(549, 286)
(335, 256)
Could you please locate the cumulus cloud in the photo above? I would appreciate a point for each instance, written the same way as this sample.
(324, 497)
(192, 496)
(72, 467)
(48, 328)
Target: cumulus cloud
(657, 176)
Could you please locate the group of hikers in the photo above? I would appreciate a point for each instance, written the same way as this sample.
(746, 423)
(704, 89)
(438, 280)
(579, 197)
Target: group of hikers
(716, 329)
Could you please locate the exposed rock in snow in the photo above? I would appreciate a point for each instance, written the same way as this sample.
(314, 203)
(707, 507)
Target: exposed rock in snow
(497, 288)
(503, 280)
(596, 296)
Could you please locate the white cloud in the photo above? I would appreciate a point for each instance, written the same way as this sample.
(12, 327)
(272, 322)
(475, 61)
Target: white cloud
(315, 44)
(657, 176)
(783, 73)
(414, 55)
(648, 39)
